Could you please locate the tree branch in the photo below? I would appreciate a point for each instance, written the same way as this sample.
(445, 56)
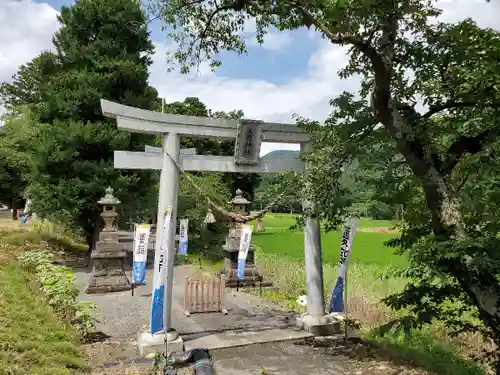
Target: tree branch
(381, 90)
(465, 144)
(447, 105)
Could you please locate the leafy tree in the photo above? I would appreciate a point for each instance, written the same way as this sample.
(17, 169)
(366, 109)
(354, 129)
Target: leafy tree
(206, 239)
(14, 161)
(102, 51)
(405, 58)
(28, 87)
(218, 186)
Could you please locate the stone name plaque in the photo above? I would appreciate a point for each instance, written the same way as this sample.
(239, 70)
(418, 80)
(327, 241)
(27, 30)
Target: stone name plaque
(248, 142)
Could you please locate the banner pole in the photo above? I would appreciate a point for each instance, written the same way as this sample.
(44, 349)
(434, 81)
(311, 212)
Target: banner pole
(133, 254)
(345, 304)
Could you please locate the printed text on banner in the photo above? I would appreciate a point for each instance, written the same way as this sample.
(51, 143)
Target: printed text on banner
(159, 278)
(246, 237)
(183, 236)
(348, 232)
(141, 238)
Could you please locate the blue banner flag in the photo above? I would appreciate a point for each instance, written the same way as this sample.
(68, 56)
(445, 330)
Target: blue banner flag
(159, 277)
(183, 236)
(337, 297)
(141, 238)
(246, 237)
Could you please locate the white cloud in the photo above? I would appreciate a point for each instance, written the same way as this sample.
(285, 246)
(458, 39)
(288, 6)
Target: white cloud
(486, 15)
(275, 41)
(259, 99)
(27, 27)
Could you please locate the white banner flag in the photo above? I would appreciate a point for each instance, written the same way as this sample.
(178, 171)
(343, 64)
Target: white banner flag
(246, 238)
(159, 277)
(141, 238)
(183, 236)
(348, 232)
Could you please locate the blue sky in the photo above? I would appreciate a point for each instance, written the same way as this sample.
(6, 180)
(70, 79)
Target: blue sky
(276, 63)
(275, 67)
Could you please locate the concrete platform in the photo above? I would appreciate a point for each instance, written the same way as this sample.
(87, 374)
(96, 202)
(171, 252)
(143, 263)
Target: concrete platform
(325, 325)
(231, 339)
(149, 345)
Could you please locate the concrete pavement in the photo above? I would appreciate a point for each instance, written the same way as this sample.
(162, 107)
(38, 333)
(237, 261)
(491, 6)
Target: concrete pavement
(249, 320)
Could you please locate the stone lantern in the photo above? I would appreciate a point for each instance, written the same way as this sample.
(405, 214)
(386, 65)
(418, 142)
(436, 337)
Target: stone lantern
(108, 273)
(232, 247)
(260, 225)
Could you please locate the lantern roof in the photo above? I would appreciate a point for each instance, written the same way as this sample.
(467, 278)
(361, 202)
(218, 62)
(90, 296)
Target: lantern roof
(109, 199)
(239, 199)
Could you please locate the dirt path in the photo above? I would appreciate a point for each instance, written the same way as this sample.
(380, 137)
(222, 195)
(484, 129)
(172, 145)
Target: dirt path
(313, 357)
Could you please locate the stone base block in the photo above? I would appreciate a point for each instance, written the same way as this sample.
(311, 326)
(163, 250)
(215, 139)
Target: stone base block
(98, 289)
(106, 284)
(252, 277)
(323, 325)
(149, 344)
(244, 283)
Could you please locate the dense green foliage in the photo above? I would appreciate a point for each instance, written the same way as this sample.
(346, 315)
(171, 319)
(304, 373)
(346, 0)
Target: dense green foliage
(204, 239)
(57, 147)
(361, 192)
(102, 51)
(432, 161)
(220, 187)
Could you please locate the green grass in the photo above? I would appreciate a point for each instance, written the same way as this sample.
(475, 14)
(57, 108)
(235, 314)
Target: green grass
(32, 340)
(368, 247)
(37, 231)
(280, 258)
(284, 221)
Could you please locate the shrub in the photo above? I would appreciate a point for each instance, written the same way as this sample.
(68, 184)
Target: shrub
(55, 235)
(58, 286)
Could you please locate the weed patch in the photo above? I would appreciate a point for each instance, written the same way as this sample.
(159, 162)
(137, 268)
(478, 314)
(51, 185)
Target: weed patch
(60, 290)
(33, 341)
(41, 232)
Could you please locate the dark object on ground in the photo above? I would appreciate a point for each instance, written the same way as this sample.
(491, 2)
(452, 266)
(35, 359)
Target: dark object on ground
(203, 362)
(201, 358)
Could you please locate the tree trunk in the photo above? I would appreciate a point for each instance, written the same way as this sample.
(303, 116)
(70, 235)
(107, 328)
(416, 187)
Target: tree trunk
(15, 212)
(447, 223)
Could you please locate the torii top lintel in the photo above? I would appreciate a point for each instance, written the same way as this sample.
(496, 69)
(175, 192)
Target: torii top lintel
(151, 122)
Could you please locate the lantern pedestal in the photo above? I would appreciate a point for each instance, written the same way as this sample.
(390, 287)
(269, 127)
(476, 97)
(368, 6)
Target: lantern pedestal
(108, 258)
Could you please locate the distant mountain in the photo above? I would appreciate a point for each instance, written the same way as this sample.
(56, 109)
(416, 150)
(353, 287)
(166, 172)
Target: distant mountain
(280, 153)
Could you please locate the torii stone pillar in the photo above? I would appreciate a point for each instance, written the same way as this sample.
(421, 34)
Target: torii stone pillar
(248, 135)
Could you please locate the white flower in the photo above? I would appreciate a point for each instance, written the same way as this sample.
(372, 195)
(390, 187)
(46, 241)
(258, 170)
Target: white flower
(302, 301)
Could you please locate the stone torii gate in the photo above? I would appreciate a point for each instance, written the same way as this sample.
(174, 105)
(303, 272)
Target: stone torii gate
(248, 135)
